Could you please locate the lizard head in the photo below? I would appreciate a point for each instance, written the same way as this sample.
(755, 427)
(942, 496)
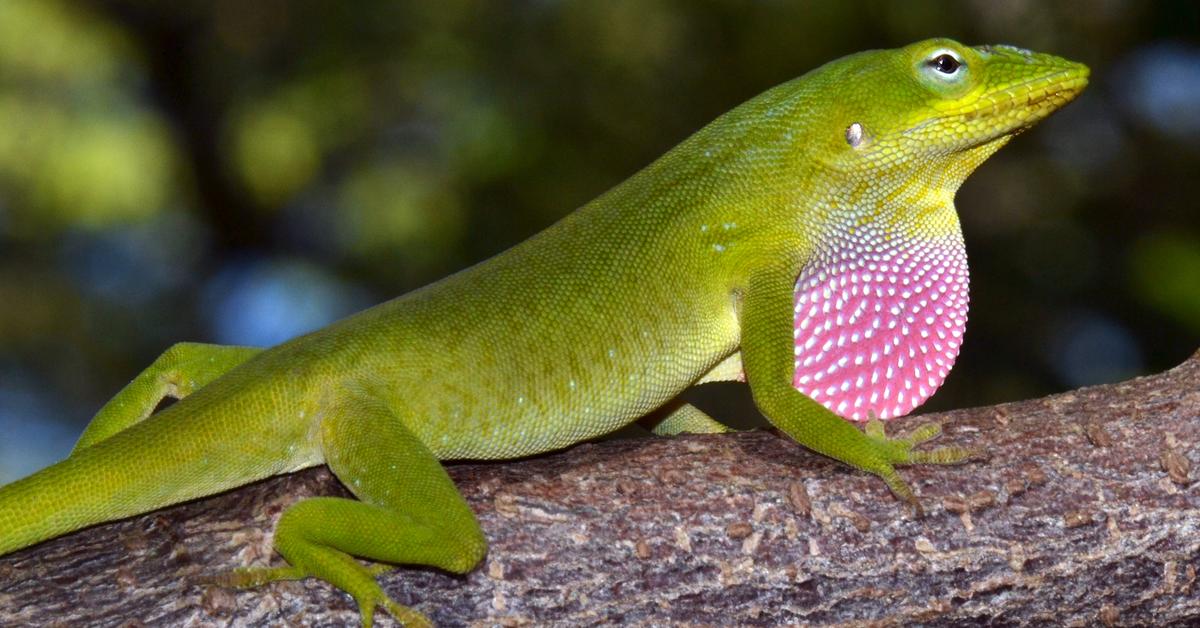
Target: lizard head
(881, 304)
(938, 103)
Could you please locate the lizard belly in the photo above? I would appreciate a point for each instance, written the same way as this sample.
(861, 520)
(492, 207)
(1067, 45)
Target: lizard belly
(550, 386)
(528, 415)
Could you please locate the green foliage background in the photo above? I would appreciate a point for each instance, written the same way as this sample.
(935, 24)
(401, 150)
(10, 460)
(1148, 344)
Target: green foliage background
(164, 165)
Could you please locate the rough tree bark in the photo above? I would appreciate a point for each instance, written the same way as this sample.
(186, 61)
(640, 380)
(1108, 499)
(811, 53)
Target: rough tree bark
(1085, 513)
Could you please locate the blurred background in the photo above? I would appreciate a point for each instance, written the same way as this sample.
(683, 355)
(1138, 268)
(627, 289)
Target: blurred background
(242, 172)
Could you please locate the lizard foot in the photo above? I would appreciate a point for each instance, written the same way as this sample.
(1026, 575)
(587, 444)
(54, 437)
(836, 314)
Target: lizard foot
(367, 600)
(251, 577)
(898, 451)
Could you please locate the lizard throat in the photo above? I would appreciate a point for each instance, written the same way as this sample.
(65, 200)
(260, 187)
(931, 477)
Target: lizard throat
(879, 320)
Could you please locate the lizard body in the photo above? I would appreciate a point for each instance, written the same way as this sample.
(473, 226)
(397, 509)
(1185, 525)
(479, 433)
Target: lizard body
(806, 241)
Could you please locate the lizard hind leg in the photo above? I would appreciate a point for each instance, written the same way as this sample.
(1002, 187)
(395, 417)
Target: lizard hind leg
(179, 371)
(684, 418)
(410, 513)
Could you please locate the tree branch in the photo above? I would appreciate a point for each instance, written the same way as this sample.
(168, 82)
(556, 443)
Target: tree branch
(1085, 513)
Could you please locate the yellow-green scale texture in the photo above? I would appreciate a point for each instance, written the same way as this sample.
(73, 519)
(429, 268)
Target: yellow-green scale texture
(607, 315)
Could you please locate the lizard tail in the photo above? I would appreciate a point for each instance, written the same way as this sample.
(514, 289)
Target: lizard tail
(171, 458)
(53, 501)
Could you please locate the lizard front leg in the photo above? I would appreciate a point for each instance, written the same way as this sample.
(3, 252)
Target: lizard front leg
(767, 354)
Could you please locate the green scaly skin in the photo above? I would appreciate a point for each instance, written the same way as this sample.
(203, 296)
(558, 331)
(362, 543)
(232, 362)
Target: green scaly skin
(681, 274)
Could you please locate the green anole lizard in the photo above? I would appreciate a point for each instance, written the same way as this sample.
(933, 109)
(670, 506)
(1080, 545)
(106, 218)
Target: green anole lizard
(806, 241)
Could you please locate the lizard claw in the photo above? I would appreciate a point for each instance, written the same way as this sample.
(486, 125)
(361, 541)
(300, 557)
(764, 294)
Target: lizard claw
(898, 451)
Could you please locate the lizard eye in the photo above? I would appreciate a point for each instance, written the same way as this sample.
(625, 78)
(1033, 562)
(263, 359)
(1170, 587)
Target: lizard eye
(945, 63)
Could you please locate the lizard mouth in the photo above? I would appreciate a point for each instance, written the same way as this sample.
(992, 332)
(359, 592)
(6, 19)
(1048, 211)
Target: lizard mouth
(1002, 112)
(1015, 109)
(1026, 103)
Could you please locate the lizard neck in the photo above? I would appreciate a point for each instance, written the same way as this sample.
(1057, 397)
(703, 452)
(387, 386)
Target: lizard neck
(881, 307)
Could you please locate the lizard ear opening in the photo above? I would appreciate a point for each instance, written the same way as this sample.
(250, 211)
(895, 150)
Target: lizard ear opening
(857, 136)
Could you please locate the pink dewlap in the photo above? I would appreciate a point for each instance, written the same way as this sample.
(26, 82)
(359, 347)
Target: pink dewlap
(879, 322)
